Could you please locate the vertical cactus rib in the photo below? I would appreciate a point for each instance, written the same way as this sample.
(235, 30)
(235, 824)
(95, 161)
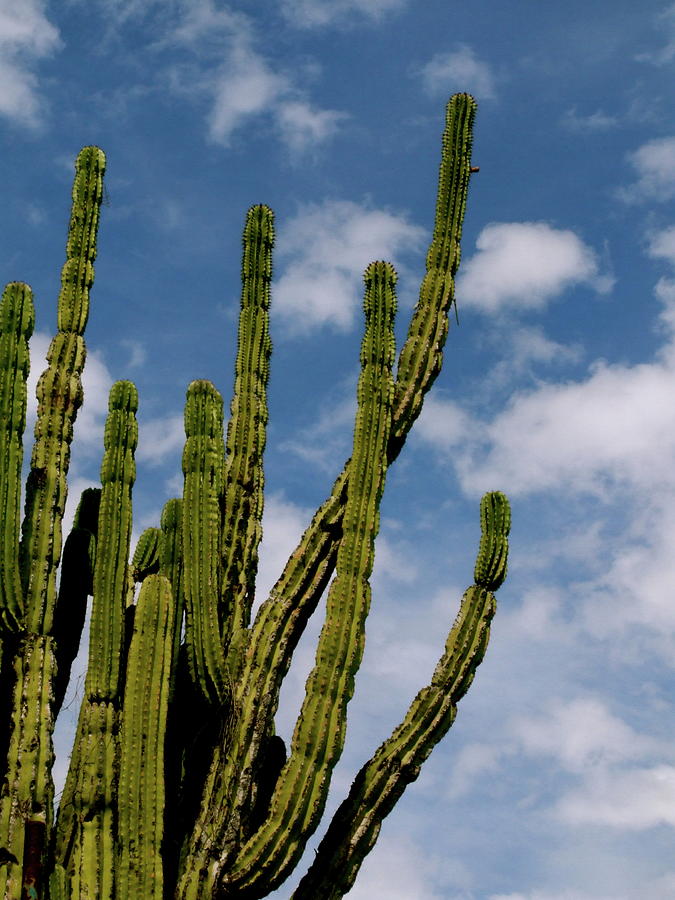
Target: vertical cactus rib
(383, 779)
(244, 481)
(203, 470)
(141, 781)
(59, 394)
(118, 473)
(17, 319)
(171, 567)
(145, 560)
(300, 792)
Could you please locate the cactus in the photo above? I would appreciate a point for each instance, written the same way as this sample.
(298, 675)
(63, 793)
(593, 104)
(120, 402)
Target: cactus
(178, 785)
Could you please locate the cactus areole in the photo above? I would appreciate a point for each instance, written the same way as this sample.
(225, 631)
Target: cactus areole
(178, 785)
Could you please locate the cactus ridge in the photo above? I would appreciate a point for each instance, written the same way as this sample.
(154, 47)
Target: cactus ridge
(245, 444)
(178, 784)
(144, 716)
(17, 320)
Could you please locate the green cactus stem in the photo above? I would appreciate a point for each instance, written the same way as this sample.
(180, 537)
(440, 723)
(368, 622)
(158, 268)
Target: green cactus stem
(203, 470)
(244, 482)
(17, 319)
(141, 780)
(59, 393)
(383, 779)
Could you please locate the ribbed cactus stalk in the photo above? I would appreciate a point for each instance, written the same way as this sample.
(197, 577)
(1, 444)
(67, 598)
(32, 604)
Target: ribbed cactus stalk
(178, 784)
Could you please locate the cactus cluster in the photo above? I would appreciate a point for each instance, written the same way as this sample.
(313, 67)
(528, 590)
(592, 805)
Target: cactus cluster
(178, 785)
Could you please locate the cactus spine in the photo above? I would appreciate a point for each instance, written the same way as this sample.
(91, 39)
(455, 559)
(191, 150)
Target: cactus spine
(178, 785)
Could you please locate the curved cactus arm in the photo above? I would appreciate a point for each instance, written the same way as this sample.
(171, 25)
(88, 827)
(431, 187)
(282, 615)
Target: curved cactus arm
(26, 800)
(76, 584)
(300, 792)
(118, 473)
(17, 319)
(383, 779)
(422, 353)
(59, 393)
(203, 471)
(141, 792)
(244, 481)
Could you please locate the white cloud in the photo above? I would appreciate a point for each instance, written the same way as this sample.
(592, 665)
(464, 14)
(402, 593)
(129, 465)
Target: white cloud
(318, 13)
(322, 254)
(160, 438)
(283, 525)
(582, 734)
(459, 70)
(443, 423)
(396, 869)
(303, 126)
(244, 87)
(26, 36)
(654, 163)
(241, 82)
(633, 799)
(524, 265)
(662, 245)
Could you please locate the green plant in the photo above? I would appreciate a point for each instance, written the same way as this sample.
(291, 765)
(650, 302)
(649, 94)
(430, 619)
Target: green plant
(178, 784)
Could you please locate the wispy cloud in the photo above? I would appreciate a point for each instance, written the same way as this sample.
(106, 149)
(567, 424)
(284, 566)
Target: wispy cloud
(665, 23)
(654, 163)
(459, 70)
(322, 254)
(525, 265)
(596, 121)
(26, 37)
(319, 13)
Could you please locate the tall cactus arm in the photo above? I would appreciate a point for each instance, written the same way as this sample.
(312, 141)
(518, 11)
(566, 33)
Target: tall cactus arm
(422, 353)
(17, 318)
(171, 567)
(144, 715)
(383, 779)
(203, 471)
(243, 487)
(302, 787)
(118, 473)
(59, 394)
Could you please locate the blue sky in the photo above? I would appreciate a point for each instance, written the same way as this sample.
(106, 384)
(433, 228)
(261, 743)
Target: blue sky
(557, 781)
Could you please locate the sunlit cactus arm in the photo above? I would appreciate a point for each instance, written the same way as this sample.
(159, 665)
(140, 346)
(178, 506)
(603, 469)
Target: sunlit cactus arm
(203, 470)
(17, 319)
(59, 394)
(383, 779)
(141, 791)
(76, 584)
(26, 798)
(118, 473)
(145, 560)
(243, 486)
(85, 839)
(422, 353)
